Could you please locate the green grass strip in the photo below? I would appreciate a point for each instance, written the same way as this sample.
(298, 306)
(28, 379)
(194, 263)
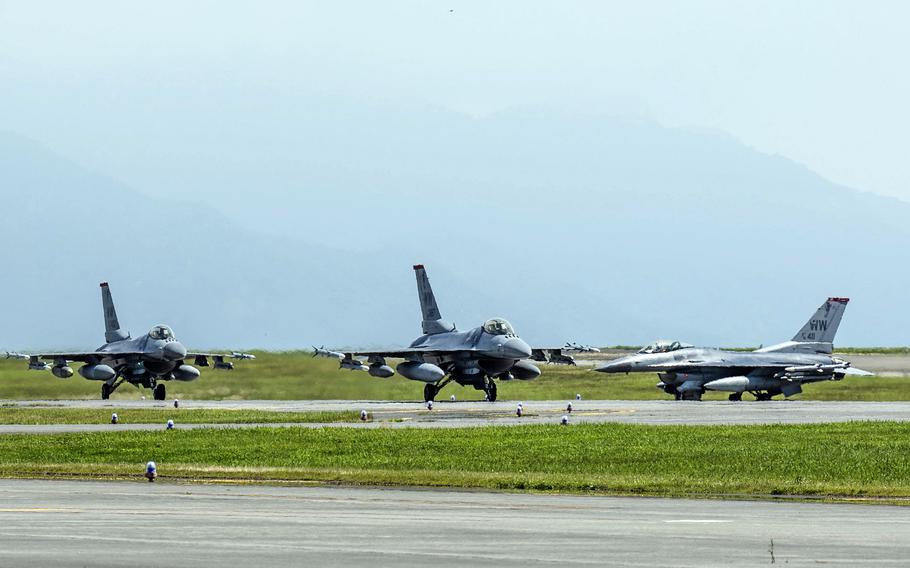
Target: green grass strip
(298, 376)
(51, 415)
(860, 459)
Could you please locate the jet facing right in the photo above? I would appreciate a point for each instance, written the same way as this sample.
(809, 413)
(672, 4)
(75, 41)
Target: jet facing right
(687, 372)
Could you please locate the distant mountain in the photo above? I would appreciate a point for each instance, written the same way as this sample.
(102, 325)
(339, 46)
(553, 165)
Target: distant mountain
(65, 229)
(599, 230)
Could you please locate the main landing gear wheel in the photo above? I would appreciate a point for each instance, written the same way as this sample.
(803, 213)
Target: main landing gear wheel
(105, 391)
(735, 396)
(430, 392)
(490, 390)
(763, 396)
(160, 392)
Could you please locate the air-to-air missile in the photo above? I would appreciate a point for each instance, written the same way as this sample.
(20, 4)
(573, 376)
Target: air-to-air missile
(328, 354)
(579, 348)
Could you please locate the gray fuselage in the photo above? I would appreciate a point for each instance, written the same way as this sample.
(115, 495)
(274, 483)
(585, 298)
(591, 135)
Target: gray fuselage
(689, 371)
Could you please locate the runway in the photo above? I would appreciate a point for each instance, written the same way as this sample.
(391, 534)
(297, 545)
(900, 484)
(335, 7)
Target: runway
(445, 414)
(70, 523)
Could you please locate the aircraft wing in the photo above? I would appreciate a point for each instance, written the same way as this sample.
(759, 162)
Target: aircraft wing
(81, 356)
(383, 353)
(804, 373)
(36, 360)
(391, 353)
(218, 359)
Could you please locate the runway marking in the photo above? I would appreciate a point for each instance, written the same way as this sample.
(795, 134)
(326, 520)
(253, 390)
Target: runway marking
(698, 521)
(34, 510)
(332, 546)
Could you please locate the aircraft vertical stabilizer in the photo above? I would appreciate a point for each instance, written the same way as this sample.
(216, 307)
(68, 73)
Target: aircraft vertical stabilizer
(817, 336)
(823, 324)
(112, 330)
(432, 319)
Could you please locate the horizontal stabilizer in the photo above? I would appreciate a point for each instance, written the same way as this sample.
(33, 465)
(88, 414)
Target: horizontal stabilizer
(855, 372)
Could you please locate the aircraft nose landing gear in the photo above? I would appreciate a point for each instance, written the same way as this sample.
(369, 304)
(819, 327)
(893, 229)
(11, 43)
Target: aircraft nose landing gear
(490, 390)
(160, 392)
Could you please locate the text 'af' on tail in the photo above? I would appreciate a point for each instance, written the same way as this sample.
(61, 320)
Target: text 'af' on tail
(112, 331)
(817, 335)
(432, 319)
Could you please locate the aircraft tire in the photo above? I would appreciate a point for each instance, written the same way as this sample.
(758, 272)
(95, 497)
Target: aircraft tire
(105, 391)
(430, 392)
(160, 392)
(491, 391)
(735, 396)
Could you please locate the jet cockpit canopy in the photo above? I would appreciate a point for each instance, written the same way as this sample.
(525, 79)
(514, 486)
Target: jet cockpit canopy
(664, 346)
(498, 326)
(161, 332)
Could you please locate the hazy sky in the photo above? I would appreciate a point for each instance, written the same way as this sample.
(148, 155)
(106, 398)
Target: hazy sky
(822, 82)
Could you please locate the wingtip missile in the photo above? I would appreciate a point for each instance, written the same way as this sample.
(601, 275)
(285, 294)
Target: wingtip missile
(239, 355)
(327, 353)
(11, 355)
(818, 368)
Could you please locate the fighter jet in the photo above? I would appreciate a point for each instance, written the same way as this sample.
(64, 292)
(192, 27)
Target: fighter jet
(580, 348)
(443, 354)
(561, 355)
(145, 361)
(554, 355)
(687, 371)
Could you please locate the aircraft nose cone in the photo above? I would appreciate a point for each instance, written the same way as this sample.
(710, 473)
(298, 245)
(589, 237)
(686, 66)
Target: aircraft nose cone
(174, 351)
(516, 348)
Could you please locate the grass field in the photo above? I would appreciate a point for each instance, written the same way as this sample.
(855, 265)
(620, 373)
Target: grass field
(154, 415)
(298, 376)
(830, 460)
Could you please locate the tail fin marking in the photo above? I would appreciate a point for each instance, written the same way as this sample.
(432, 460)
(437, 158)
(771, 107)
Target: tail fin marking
(823, 324)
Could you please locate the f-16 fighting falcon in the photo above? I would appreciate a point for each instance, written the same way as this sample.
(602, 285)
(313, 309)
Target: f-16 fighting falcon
(687, 372)
(561, 355)
(144, 361)
(443, 354)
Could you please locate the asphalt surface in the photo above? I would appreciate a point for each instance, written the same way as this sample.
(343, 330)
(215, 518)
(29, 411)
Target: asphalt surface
(447, 414)
(71, 523)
